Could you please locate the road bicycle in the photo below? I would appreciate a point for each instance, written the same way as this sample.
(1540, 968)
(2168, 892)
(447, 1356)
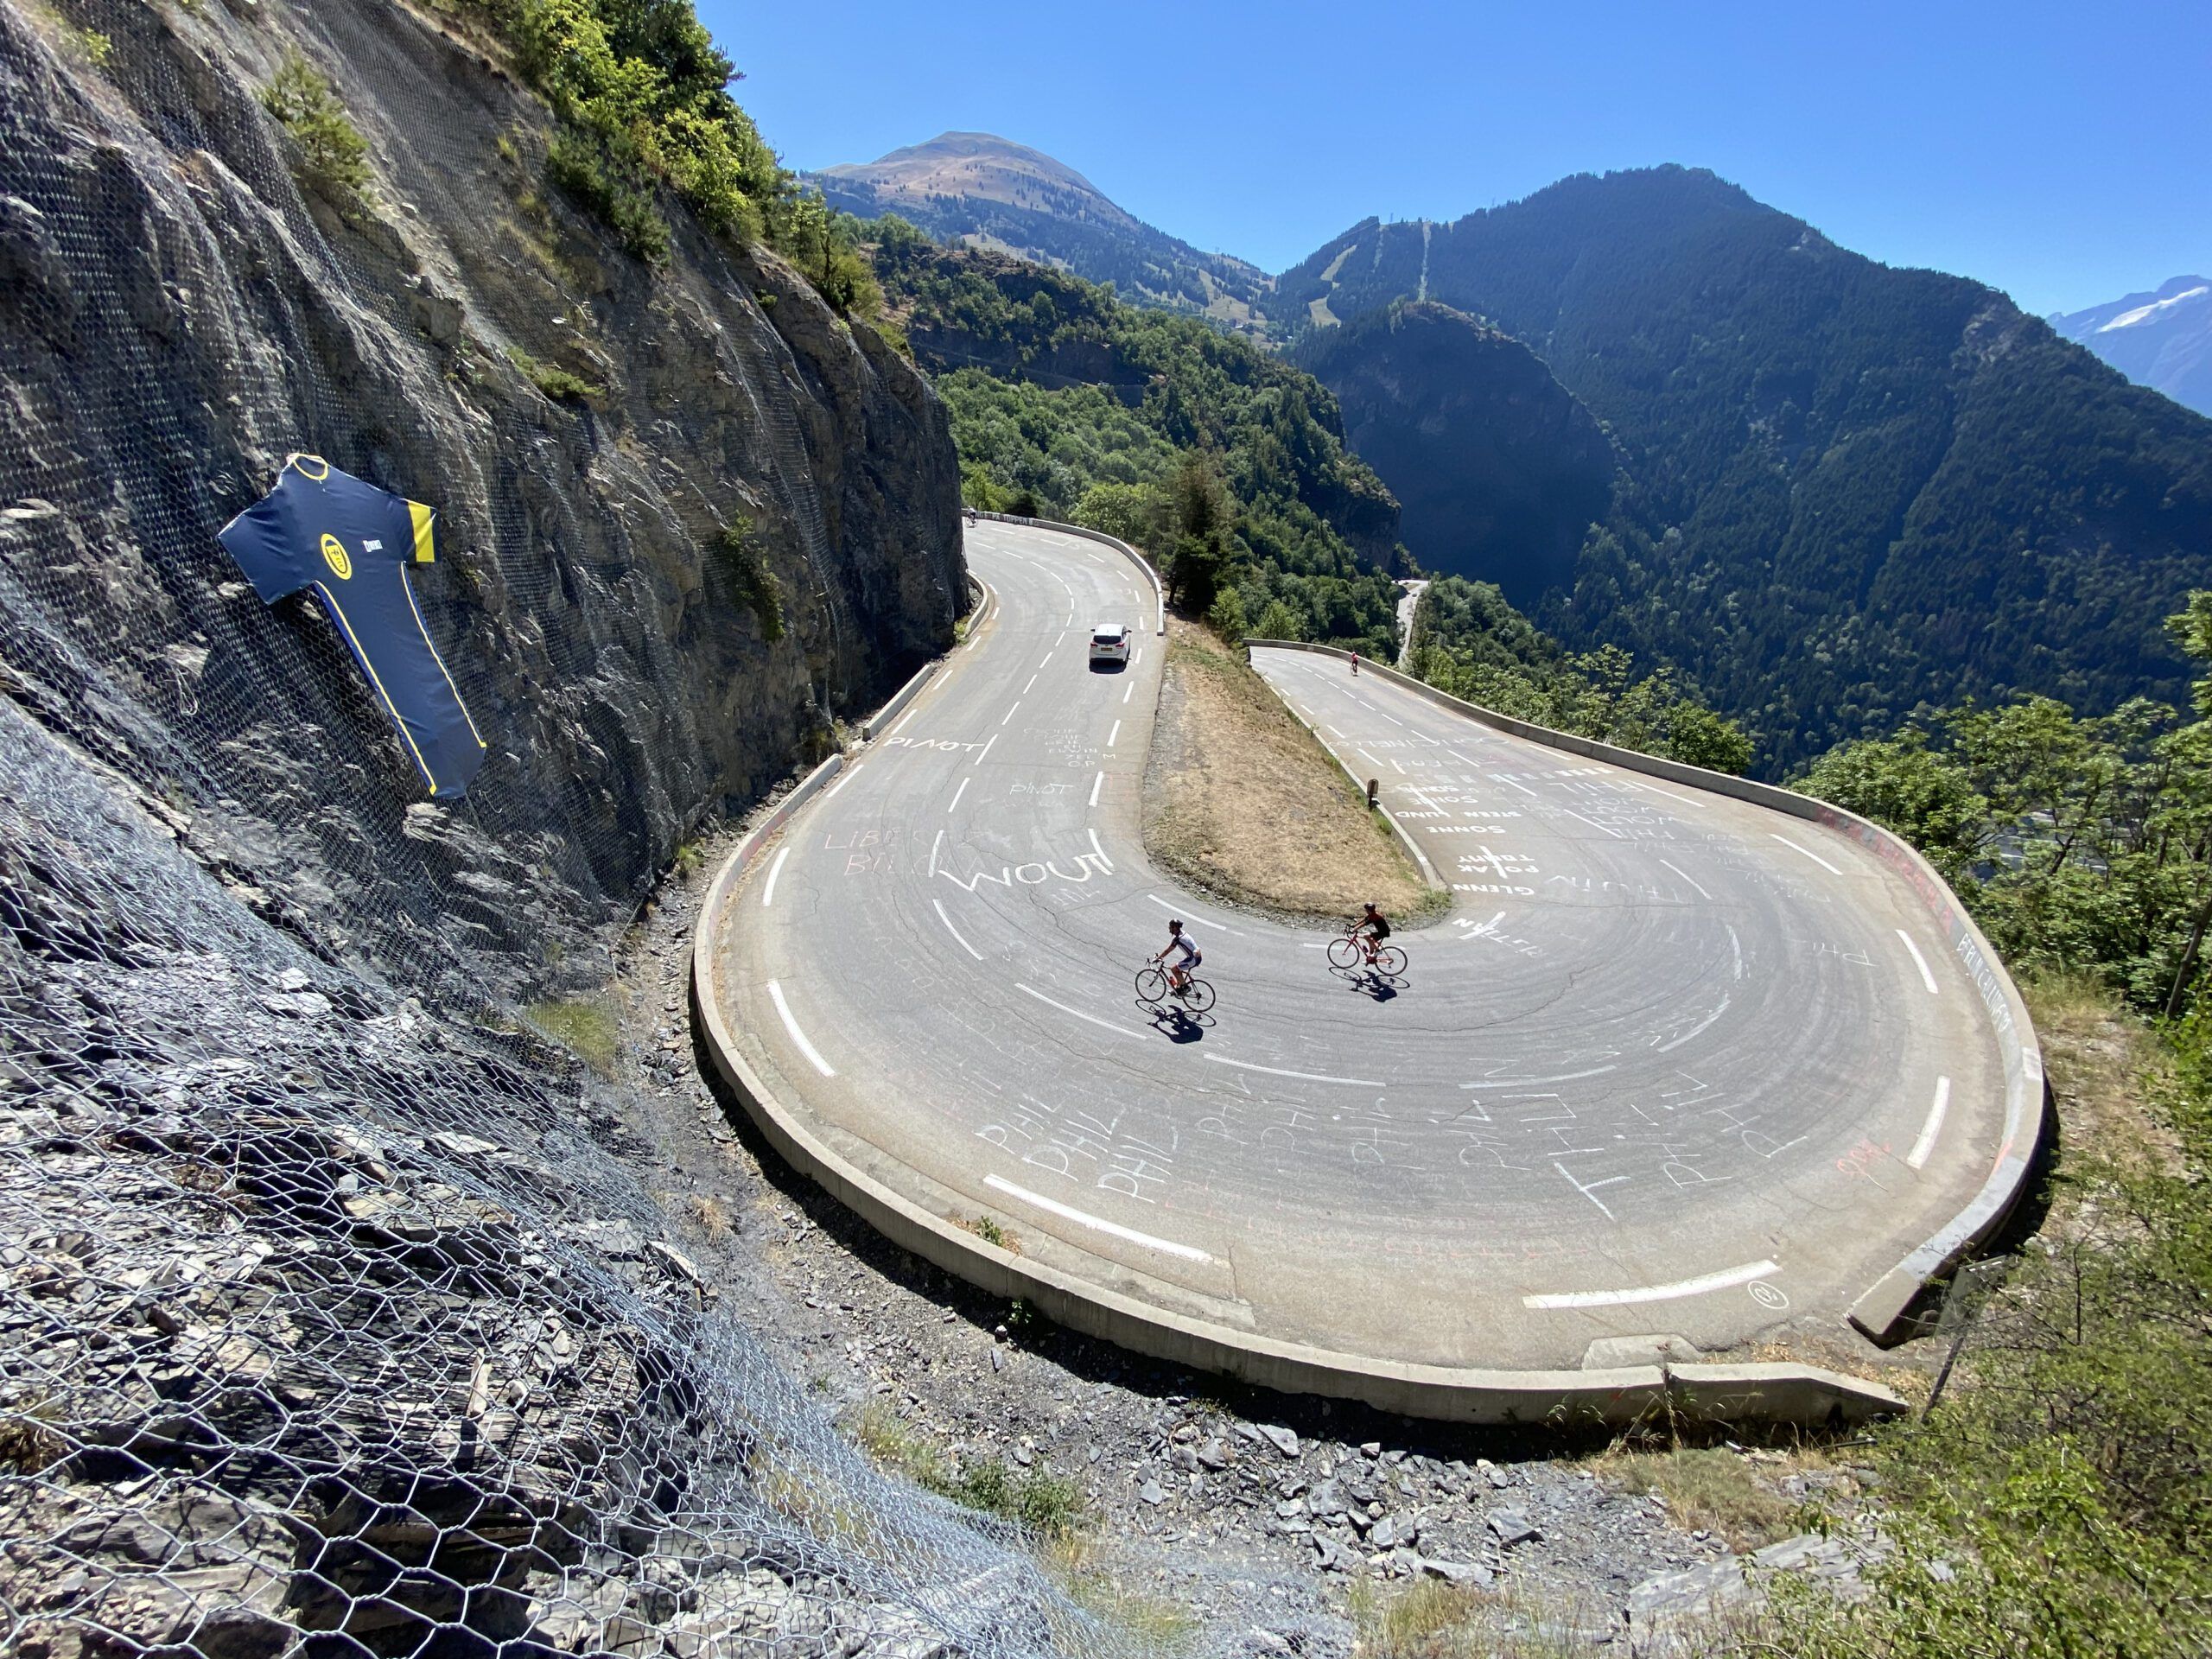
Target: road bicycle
(1349, 949)
(1154, 987)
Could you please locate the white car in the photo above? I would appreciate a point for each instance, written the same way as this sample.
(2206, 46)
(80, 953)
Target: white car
(1109, 643)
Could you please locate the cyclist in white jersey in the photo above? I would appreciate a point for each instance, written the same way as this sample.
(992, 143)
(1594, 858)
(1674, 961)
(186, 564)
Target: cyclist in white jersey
(1179, 971)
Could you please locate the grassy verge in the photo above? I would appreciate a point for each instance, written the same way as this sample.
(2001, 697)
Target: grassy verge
(1705, 1488)
(588, 1030)
(1241, 801)
(1044, 1504)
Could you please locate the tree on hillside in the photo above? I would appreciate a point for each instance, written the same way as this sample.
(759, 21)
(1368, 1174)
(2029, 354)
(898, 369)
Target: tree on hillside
(1201, 520)
(1902, 784)
(2077, 843)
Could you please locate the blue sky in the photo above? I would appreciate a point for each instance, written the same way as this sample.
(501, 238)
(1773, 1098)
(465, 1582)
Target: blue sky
(2062, 153)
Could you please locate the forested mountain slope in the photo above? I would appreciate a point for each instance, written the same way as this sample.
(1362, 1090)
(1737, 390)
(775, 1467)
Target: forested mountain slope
(1498, 469)
(1223, 460)
(1849, 488)
(985, 192)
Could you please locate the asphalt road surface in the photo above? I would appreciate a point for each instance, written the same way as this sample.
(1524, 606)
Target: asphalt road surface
(1674, 1065)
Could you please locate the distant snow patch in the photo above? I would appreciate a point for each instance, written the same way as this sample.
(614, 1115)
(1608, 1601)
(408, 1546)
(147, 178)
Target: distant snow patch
(2147, 312)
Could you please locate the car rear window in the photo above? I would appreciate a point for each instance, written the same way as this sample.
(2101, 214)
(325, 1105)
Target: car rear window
(1107, 637)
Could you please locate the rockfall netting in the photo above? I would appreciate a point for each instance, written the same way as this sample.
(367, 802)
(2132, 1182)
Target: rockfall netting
(332, 1319)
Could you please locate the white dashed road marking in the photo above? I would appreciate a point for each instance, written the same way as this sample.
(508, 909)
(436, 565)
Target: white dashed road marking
(955, 932)
(1919, 961)
(1725, 1280)
(1069, 1212)
(1932, 1128)
(1310, 1076)
(1107, 1024)
(1808, 853)
(784, 1012)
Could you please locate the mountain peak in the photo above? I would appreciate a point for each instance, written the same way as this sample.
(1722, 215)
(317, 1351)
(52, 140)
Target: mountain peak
(982, 191)
(2161, 338)
(983, 166)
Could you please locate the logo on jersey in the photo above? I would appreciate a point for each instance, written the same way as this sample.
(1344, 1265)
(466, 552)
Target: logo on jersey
(333, 555)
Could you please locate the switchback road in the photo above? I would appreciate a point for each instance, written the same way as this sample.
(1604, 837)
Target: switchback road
(1676, 1073)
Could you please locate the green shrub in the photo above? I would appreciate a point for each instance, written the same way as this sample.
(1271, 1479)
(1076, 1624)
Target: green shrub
(86, 46)
(331, 155)
(581, 172)
(1044, 1504)
(587, 1029)
(554, 381)
(738, 552)
(641, 91)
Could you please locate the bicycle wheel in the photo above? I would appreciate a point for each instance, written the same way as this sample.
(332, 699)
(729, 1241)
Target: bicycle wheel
(1343, 952)
(1389, 962)
(1151, 984)
(1197, 996)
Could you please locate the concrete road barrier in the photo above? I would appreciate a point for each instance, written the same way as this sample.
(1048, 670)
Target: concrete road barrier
(850, 1128)
(1882, 1313)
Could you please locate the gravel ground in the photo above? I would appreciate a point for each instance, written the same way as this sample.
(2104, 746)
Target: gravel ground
(1251, 1513)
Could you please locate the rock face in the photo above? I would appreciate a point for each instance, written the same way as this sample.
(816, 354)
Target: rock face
(177, 316)
(1499, 471)
(332, 1316)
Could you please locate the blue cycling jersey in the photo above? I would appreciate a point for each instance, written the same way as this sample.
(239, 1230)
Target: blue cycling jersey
(352, 543)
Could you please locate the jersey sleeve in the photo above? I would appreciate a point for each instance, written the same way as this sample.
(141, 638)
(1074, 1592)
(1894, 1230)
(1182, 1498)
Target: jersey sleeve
(262, 539)
(422, 521)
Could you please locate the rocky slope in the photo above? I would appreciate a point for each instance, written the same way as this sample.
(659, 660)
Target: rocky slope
(179, 316)
(1499, 471)
(334, 1315)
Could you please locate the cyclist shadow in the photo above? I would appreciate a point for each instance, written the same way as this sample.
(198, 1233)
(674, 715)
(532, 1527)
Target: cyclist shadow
(1367, 982)
(1178, 1025)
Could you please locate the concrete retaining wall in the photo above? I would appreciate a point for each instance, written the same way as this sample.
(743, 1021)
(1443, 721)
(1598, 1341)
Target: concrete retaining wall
(1880, 1312)
(890, 711)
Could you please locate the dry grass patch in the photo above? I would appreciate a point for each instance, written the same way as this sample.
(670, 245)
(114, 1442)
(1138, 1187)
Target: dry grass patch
(712, 1214)
(2103, 1064)
(1706, 1489)
(1430, 1619)
(1242, 802)
(1153, 1624)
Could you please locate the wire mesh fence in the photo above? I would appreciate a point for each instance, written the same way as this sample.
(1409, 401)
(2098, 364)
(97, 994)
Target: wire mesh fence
(332, 1319)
